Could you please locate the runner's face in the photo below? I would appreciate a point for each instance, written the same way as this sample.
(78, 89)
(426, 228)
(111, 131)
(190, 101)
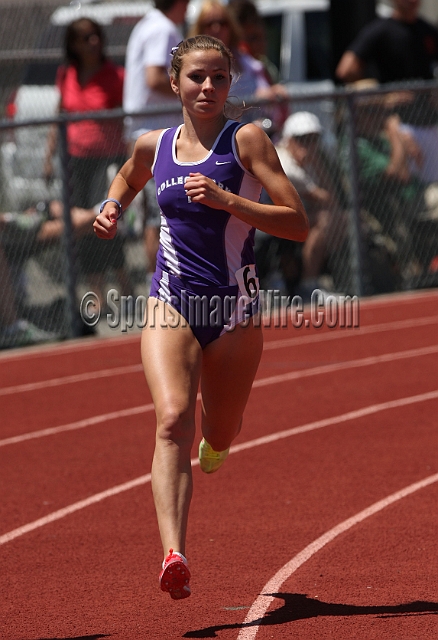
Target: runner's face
(204, 82)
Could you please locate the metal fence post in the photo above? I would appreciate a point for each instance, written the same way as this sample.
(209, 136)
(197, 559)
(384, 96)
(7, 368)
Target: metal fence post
(354, 227)
(68, 243)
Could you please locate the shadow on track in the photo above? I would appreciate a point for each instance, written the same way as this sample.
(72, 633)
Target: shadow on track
(299, 607)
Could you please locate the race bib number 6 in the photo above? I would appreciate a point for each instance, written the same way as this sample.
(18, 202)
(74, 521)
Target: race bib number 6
(248, 281)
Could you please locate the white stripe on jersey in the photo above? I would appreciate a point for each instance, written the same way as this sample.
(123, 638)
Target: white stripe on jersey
(236, 234)
(164, 291)
(237, 231)
(168, 249)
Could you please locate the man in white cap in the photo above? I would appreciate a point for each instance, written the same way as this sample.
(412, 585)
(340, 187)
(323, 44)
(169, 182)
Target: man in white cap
(305, 163)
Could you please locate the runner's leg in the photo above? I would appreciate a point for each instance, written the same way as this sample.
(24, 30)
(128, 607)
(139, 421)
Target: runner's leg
(228, 369)
(172, 364)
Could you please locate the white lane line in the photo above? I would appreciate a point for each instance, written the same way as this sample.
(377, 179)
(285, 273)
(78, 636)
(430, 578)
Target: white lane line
(268, 346)
(80, 424)
(262, 603)
(344, 417)
(70, 346)
(77, 506)
(319, 424)
(262, 382)
(352, 333)
(78, 377)
(405, 297)
(349, 364)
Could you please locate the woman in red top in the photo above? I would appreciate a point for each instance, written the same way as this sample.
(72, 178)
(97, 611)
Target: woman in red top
(91, 82)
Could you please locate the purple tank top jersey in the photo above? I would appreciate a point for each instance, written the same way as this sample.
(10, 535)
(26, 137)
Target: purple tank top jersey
(198, 244)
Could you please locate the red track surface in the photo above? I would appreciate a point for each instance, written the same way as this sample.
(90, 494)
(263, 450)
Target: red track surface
(284, 516)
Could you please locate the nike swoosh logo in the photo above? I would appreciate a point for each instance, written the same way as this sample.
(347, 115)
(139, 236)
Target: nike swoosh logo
(227, 162)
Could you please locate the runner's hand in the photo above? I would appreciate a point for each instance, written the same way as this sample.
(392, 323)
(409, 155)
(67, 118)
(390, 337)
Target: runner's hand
(201, 189)
(105, 224)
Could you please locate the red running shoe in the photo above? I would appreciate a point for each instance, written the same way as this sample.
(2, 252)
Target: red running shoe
(175, 576)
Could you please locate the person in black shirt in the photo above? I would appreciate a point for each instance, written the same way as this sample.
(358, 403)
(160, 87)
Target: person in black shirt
(402, 47)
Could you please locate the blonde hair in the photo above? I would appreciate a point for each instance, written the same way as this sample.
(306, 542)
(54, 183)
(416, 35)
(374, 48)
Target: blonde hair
(216, 5)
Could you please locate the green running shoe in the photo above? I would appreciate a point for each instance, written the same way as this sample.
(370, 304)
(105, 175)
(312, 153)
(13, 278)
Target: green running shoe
(209, 459)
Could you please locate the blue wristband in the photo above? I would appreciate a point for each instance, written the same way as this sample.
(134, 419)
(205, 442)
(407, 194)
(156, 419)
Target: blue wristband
(115, 202)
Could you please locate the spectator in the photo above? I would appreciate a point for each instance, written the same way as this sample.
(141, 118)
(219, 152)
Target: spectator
(14, 330)
(400, 48)
(89, 81)
(44, 226)
(217, 20)
(307, 165)
(425, 166)
(28, 233)
(388, 189)
(254, 43)
(147, 84)
(253, 35)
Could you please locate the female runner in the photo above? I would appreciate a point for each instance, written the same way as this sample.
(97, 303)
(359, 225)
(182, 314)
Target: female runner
(209, 173)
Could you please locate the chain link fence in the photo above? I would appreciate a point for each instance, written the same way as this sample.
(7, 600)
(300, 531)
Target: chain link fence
(376, 231)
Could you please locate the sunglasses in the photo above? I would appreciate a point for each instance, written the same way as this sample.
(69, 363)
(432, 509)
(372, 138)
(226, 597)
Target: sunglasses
(211, 23)
(87, 37)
